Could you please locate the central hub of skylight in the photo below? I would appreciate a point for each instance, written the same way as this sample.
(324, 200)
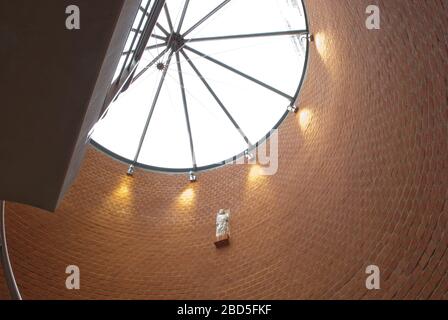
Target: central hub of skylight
(176, 41)
(214, 79)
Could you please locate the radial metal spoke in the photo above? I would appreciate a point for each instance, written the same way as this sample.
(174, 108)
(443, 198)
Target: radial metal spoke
(203, 55)
(168, 17)
(182, 17)
(154, 46)
(170, 23)
(162, 29)
(249, 35)
(197, 24)
(216, 98)
(149, 65)
(184, 100)
(158, 37)
(151, 111)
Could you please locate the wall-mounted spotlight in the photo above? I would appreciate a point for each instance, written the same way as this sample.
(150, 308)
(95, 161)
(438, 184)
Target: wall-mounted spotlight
(292, 108)
(192, 176)
(306, 36)
(310, 37)
(131, 170)
(249, 156)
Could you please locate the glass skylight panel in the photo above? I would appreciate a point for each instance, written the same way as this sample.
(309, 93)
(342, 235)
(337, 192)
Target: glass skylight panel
(215, 77)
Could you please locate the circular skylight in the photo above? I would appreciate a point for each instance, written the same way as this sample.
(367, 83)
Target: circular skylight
(214, 79)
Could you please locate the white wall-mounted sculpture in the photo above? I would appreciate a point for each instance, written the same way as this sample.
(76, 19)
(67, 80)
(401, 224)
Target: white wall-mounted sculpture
(222, 227)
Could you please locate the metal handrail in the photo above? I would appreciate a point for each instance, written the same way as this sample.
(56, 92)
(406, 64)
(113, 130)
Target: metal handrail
(6, 263)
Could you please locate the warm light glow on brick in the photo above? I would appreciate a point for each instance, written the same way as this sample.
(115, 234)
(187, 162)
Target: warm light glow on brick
(256, 172)
(122, 193)
(123, 189)
(321, 45)
(187, 196)
(305, 117)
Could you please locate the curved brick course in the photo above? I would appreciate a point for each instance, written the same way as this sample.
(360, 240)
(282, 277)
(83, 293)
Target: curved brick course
(365, 183)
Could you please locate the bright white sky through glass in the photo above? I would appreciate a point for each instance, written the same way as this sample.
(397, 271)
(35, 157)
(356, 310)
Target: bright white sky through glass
(276, 60)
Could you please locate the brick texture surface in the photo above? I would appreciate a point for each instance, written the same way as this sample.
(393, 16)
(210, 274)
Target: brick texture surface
(365, 183)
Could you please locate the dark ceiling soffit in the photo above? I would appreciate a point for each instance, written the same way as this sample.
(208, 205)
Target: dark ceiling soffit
(105, 74)
(47, 114)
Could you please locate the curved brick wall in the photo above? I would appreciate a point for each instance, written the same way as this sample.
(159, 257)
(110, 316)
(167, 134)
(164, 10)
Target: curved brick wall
(365, 183)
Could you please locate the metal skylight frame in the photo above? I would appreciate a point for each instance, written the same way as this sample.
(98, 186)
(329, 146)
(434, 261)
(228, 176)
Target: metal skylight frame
(178, 50)
(132, 56)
